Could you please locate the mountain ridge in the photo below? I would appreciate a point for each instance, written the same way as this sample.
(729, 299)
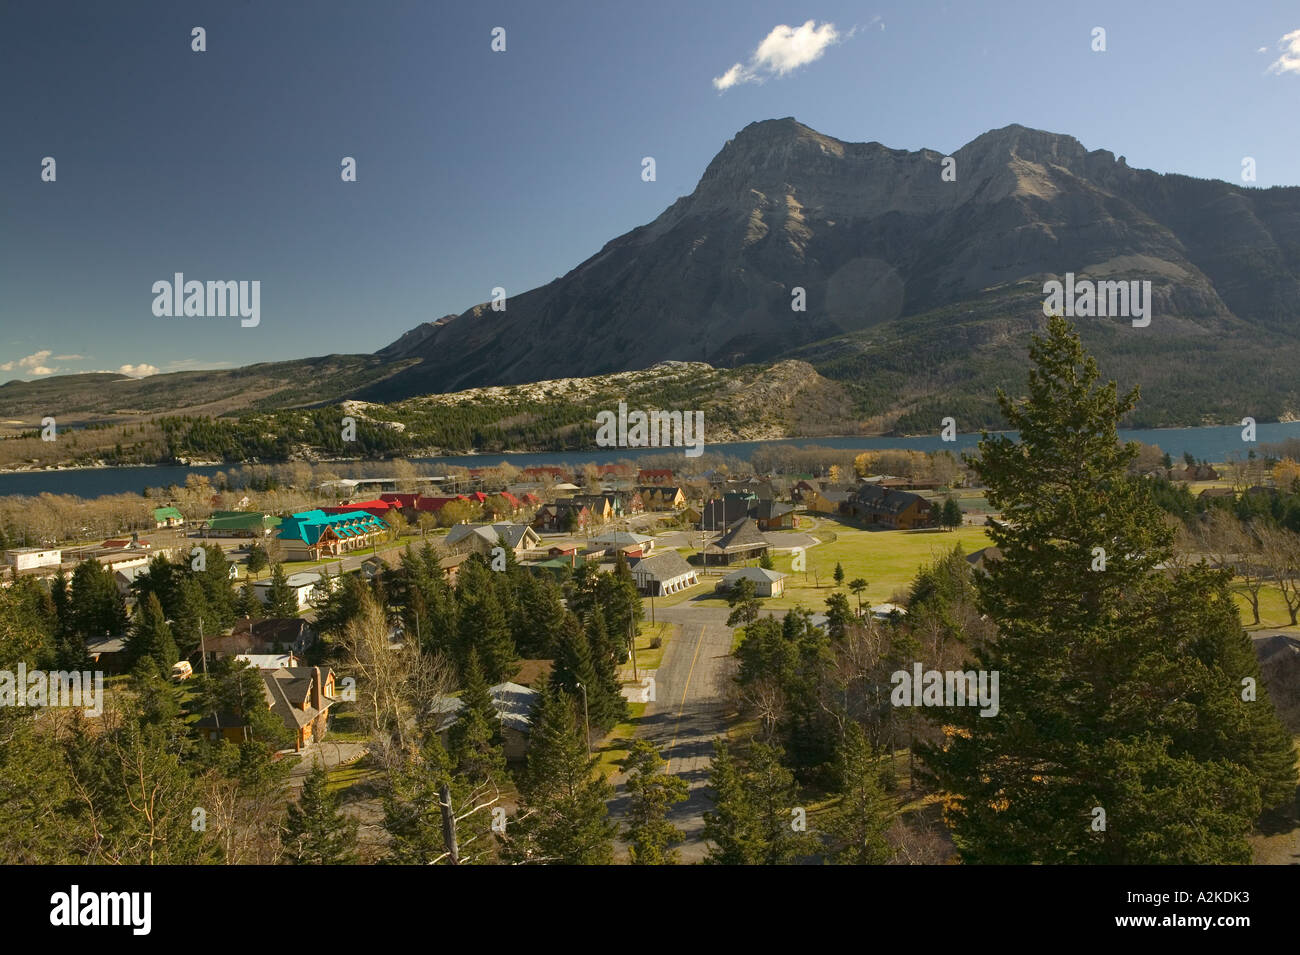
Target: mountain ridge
(920, 292)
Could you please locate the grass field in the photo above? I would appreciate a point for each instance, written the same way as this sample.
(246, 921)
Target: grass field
(647, 658)
(1272, 609)
(613, 749)
(887, 560)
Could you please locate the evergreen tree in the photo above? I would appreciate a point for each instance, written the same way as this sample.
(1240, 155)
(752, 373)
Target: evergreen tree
(316, 833)
(247, 604)
(1120, 687)
(858, 823)
(95, 606)
(575, 672)
(258, 560)
(743, 602)
(651, 794)
(412, 808)
(280, 599)
(540, 616)
(152, 637)
(474, 739)
(483, 624)
(563, 817)
(839, 575)
(838, 616)
(733, 826)
(607, 654)
(857, 585)
(951, 514)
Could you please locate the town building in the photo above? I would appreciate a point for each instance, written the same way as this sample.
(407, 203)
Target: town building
(664, 573)
(484, 538)
(743, 541)
(311, 535)
(767, 583)
(30, 558)
(889, 507)
(514, 706)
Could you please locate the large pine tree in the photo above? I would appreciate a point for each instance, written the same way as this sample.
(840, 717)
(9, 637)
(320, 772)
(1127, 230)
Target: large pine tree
(858, 823)
(651, 794)
(483, 624)
(474, 739)
(1120, 687)
(563, 818)
(316, 833)
(152, 637)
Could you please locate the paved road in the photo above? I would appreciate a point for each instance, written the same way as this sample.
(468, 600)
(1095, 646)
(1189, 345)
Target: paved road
(687, 713)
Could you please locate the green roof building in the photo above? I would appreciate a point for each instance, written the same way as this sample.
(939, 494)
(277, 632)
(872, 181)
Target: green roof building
(167, 517)
(240, 524)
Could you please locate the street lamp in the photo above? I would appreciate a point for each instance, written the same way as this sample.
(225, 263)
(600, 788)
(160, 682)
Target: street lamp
(586, 721)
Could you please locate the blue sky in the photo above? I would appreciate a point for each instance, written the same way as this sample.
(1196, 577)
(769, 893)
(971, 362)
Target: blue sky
(479, 169)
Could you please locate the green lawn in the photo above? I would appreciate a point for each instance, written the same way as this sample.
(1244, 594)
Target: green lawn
(360, 773)
(647, 658)
(1272, 609)
(613, 749)
(887, 560)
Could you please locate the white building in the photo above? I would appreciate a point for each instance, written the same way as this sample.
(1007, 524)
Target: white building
(301, 585)
(29, 558)
(665, 573)
(767, 583)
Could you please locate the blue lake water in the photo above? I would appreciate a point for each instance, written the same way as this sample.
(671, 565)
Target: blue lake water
(1208, 444)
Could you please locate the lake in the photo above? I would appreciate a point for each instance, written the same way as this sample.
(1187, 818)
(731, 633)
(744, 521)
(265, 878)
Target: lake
(1208, 444)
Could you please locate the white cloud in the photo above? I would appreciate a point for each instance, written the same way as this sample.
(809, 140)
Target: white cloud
(142, 370)
(69, 357)
(1289, 61)
(33, 364)
(783, 50)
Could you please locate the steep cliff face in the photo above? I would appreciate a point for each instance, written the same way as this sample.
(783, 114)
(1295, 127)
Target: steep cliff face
(873, 236)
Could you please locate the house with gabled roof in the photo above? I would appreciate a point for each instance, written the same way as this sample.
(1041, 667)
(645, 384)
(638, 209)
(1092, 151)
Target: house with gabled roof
(664, 573)
(556, 516)
(482, 538)
(654, 476)
(767, 583)
(300, 696)
(722, 512)
(240, 524)
(889, 507)
(772, 515)
(167, 517)
(311, 535)
(743, 541)
(513, 704)
(626, 541)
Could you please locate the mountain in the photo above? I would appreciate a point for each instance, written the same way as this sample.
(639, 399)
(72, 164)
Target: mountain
(914, 285)
(920, 292)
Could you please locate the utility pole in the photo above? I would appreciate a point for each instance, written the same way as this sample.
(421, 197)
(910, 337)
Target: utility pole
(203, 653)
(631, 639)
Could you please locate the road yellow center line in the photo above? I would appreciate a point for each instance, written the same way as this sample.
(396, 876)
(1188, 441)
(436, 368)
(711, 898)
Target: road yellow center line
(682, 706)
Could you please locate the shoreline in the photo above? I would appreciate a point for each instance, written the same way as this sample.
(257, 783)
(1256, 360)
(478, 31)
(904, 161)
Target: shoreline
(963, 440)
